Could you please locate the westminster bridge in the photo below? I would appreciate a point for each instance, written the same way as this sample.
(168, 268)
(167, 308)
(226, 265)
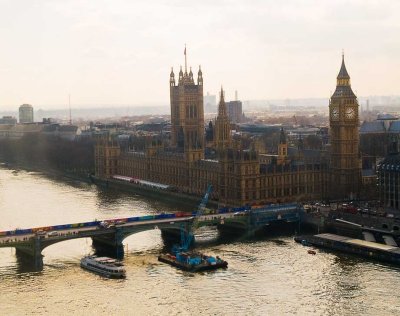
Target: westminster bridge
(109, 234)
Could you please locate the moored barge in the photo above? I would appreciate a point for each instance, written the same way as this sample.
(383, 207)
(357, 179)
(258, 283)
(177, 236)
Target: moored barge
(193, 261)
(350, 245)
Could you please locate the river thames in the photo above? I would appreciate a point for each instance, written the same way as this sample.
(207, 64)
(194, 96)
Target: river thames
(268, 276)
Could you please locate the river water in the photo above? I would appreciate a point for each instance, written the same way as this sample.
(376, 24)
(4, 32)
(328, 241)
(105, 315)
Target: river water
(269, 276)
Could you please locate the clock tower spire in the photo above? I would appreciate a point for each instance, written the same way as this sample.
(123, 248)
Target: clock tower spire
(345, 163)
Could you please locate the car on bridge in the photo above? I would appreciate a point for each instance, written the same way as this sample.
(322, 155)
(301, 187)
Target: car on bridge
(105, 224)
(52, 234)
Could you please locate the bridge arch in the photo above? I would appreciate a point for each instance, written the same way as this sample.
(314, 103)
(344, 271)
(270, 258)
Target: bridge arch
(67, 248)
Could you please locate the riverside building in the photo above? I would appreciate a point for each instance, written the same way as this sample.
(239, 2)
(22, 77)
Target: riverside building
(239, 176)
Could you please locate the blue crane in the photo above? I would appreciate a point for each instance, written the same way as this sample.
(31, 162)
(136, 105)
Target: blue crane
(187, 237)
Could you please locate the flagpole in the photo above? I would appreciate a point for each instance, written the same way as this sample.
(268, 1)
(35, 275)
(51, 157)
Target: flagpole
(185, 61)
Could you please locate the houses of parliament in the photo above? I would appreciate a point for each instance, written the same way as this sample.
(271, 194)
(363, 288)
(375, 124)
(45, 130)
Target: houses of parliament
(241, 176)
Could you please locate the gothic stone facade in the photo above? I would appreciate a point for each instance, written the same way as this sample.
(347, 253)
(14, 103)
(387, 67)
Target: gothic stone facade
(240, 176)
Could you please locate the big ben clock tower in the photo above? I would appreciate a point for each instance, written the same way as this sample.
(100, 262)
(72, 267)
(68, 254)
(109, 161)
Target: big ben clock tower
(345, 163)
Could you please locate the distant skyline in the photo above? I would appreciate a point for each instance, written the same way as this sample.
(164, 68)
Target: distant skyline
(121, 52)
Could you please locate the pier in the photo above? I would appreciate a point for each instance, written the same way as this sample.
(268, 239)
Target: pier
(363, 248)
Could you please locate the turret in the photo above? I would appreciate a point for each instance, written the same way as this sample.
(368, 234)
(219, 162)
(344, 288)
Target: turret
(200, 77)
(282, 148)
(180, 76)
(172, 78)
(191, 76)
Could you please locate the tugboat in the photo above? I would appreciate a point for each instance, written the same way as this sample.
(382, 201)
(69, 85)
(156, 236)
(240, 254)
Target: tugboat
(184, 259)
(107, 267)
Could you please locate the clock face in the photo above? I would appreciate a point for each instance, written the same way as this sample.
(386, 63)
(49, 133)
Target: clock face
(350, 112)
(335, 113)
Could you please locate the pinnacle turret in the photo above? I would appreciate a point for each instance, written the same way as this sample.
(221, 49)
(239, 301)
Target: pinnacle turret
(172, 77)
(200, 77)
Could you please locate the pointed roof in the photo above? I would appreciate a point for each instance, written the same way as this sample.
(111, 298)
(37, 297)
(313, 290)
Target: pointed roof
(221, 106)
(343, 74)
(343, 87)
(282, 137)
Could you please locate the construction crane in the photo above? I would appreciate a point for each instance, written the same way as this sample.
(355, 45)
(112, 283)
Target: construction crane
(187, 237)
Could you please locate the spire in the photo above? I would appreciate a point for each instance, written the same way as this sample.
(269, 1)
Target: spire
(343, 74)
(200, 77)
(191, 81)
(221, 106)
(180, 75)
(343, 87)
(172, 78)
(282, 137)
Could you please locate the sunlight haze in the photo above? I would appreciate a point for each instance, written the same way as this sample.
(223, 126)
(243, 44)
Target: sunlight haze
(121, 52)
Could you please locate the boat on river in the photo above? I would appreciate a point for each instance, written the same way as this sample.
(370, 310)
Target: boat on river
(193, 261)
(105, 266)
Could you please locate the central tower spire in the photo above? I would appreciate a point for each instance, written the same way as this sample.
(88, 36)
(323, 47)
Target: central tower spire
(222, 125)
(222, 106)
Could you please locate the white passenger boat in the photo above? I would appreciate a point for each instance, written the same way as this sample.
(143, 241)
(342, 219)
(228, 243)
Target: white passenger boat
(108, 267)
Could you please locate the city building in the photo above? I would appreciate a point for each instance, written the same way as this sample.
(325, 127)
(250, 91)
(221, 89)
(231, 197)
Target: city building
(20, 130)
(376, 135)
(235, 113)
(389, 178)
(210, 103)
(26, 113)
(239, 175)
(8, 120)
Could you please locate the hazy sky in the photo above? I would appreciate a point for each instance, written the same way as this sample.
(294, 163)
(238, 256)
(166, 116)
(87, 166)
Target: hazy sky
(121, 51)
